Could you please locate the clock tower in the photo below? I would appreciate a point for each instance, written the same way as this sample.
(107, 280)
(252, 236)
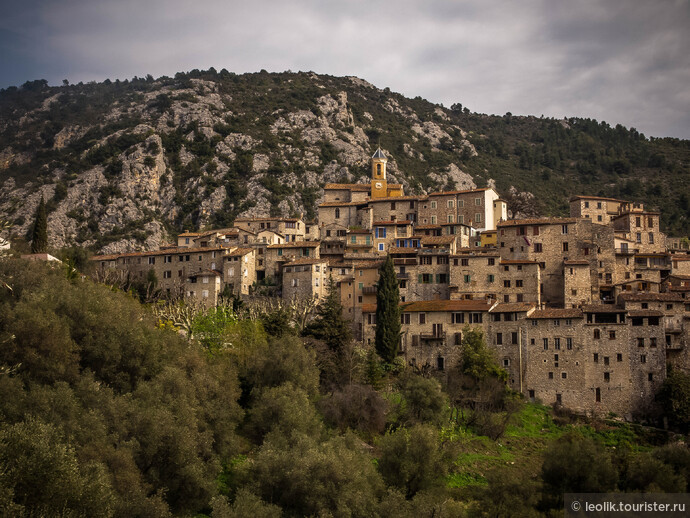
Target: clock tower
(379, 185)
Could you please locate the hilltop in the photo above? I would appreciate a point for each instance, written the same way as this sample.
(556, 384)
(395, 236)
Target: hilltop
(125, 165)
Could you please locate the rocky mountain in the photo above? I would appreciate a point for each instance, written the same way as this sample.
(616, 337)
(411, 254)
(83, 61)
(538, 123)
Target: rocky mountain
(126, 165)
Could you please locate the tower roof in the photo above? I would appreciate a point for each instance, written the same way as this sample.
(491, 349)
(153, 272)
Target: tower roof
(379, 154)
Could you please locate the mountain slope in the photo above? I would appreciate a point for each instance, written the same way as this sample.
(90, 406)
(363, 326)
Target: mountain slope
(125, 165)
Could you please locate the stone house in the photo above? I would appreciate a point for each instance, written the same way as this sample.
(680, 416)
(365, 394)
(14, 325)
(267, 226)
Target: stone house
(292, 229)
(478, 208)
(205, 285)
(305, 278)
(357, 290)
(239, 270)
(276, 255)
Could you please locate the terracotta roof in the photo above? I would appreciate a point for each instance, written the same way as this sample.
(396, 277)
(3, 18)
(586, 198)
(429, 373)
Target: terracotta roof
(109, 257)
(557, 313)
(576, 263)
(215, 273)
(644, 313)
(601, 308)
(512, 307)
(450, 193)
(679, 276)
(388, 199)
(402, 250)
(306, 260)
(189, 234)
(248, 220)
(359, 231)
(402, 222)
(427, 227)
(368, 265)
(597, 198)
(675, 257)
(297, 244)
(436, 305)
(348, 186)
(650, 297)
(342, 203)
(238, 252)
(536, 221)
(174, 251)
(437, 240)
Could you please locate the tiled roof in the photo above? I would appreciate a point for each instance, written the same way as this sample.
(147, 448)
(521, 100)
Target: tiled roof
(348, 186)
(305, 260)
(436, 306)
(602, 308)
(650, 297)
(536, 221)
(597, 198)
(298, 244)
(358, 231)
(451, 193)
(512, 307)
(675, 257)
(438, 240)
(557, 313)
(189, 234)
(109, 257)
(174, 251)
(644, 313)
(238, 252)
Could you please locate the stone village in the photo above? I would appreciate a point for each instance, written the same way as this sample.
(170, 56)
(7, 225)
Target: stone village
(585, 311)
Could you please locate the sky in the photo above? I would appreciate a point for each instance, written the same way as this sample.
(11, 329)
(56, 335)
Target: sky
(622, 61)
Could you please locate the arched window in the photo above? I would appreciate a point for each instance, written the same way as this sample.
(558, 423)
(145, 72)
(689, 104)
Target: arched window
(378, 168)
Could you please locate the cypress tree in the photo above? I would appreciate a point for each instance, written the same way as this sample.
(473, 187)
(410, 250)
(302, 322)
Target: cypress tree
(39, 235)
(329, 324)
(388, 313)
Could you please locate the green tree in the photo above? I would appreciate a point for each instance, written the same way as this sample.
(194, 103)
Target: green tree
(39, 234)
(576, 464)
(329, 324)
(423, 399)
(387, 312)
(411, 459)
(675, 399)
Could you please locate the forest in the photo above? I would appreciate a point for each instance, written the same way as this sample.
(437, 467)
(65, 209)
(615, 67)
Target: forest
(114, 408)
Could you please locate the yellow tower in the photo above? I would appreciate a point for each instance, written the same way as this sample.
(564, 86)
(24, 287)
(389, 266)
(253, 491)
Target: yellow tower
(379, 184)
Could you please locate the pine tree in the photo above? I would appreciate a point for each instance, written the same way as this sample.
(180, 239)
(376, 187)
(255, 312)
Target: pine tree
(39, 236)
(388, 313)
(329, 324)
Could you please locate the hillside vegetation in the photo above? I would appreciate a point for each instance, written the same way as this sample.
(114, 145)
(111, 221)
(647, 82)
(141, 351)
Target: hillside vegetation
(127, 164)
(108, 411)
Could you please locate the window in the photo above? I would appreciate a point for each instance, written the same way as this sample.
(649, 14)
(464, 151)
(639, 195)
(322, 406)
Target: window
(450, 219)
(518, 283)
(457, 318)
(514, 338)
(640, 342)
(490, 278)
(607, 376)
(569, 343)
(152, 260)
(506, 284)
(650, 376)
(433, 204)
(538, 248)
(405, 318)
(478, 201)
(499, 338)
(546, 344)
(550, 375)
(478, 217)
(433, 220)
(167, 274)
(596, 357)
(564, 375)
(565, 246)
(586, 205)
(612, 335)
(643, 358)
(606, 360)
(557, 344)
(381, 247)
(422, 318)
(651, 238)
(450, 204)
(466, 278)
(564, 229)
(506, 362)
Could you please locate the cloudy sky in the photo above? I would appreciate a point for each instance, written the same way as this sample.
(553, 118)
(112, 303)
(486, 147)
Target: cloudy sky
(622, 61)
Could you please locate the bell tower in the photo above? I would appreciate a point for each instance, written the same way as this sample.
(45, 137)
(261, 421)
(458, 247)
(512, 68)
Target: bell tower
(379, 185)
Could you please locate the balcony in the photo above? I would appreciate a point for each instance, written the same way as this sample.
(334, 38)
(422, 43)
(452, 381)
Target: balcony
(369, 290)
(627, 251)
(403, 276)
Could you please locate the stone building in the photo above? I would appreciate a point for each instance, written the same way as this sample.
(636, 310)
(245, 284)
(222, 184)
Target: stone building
(305, 279)
(239, 270)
